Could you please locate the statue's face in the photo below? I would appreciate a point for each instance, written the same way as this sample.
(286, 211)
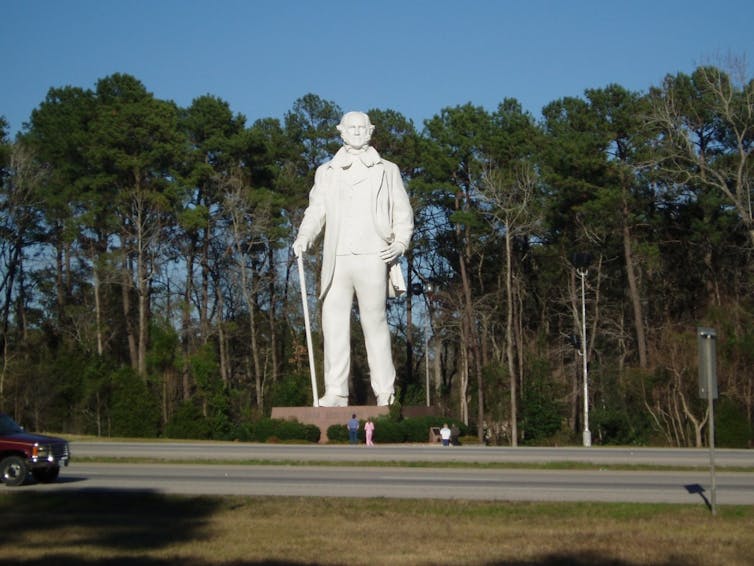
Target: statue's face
(355, 130)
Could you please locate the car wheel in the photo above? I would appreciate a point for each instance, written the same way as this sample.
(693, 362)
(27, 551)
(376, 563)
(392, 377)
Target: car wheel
(46, 475)
(13, 471)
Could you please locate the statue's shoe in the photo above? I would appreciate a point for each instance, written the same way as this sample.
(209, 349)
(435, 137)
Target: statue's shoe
(330, 400)
(385, 399)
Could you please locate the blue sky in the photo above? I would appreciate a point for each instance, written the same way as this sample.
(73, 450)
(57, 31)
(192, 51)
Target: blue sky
(413, 56)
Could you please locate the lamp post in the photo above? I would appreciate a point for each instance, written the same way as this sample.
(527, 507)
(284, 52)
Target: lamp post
(581, 261)
(426, 290)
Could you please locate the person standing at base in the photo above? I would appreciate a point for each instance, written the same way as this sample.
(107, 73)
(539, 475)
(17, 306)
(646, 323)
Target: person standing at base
(369, 431)
(353, 429)
(359, 200)
(445, 435)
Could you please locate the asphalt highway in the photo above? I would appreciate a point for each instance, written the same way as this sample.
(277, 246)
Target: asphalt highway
(345, 471)
(403, 482)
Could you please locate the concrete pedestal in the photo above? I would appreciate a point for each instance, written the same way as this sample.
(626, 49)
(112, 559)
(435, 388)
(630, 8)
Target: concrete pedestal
(324, 417)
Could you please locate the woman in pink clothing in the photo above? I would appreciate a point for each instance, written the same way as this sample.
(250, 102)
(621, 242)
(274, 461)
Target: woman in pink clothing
(369, 430)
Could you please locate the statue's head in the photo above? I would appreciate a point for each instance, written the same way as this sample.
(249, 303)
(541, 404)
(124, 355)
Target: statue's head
(355, 129)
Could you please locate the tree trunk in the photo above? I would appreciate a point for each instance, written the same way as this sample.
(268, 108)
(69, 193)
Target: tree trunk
(60, 288)
(126, 296)
(186, 318)
(464, 385)
(204, 303)
(221, 339)
(97, 309)
(272, 318)
(509, 350)
(142, 289)
(633, 288)
(409, 368)
(472, 340)
(143, 316)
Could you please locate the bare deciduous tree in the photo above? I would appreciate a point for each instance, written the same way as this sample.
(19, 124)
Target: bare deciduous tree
(511, 196)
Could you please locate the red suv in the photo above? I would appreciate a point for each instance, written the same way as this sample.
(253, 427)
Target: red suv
(22, 453)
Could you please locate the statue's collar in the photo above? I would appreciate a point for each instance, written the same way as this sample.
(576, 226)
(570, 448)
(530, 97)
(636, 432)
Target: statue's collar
(344, 158)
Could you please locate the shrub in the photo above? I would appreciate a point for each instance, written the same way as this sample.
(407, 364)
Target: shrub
(242, 432)
(339, 433)
(187, 422)
(417, 430)
(266, 429)
(387, 430)
(541, 413)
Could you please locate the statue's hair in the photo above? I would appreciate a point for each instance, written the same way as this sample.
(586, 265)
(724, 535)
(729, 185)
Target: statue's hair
(343, 119)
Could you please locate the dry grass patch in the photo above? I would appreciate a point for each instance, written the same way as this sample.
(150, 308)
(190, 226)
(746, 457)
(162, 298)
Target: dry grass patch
(146, 529)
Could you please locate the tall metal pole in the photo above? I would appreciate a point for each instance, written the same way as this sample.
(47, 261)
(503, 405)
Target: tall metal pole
(711, 409)
(587, 434)
(706, 338)
(429, 288)
(426, 355)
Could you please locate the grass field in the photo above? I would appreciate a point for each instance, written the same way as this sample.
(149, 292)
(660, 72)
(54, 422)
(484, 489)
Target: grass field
(84, 528)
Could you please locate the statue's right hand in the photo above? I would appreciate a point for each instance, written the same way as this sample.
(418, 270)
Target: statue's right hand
(299, 247)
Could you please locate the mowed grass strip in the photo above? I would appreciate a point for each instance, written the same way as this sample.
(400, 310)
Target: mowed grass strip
(86, 527)
(554, 465)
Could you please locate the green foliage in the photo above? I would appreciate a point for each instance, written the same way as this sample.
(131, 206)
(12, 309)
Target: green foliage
(273, 430)
(291, 390)
(542, 412)
(163, 350)
(496, 393)
(413, 393)
(143, 214)
(618, 416)
(468, 218)
(394, 410)
(134, 411)
(732, 428)
(188, 422)
(312, 125)
(386, 430)
(416, 429)
(338, 433)
(5, 148)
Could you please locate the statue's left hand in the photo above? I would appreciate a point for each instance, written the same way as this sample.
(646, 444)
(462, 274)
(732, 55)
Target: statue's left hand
(392, 252)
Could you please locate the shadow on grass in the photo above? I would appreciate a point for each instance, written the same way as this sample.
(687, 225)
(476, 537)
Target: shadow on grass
(130, 523)
(118, 520)
(696, 488)
(553, 560)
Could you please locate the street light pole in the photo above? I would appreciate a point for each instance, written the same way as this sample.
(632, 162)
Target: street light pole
(426, 290)
(428, 326)
(426, 359)
(581, 261)
(582, 272)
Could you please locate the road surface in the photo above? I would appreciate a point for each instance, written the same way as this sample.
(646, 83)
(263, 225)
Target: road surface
(348, 473)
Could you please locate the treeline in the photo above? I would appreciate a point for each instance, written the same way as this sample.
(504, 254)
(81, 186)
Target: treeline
(148, 287)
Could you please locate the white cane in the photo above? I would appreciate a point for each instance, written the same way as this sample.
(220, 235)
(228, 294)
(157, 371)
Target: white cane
(305, 302)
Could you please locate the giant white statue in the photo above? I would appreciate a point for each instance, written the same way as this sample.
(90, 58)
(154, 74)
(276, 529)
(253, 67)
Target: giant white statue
(359, 200)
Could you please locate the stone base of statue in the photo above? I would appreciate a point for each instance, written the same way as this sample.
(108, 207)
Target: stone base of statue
(325, 417)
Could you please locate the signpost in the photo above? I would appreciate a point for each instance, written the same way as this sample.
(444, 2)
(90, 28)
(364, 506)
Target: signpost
(706, 338)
